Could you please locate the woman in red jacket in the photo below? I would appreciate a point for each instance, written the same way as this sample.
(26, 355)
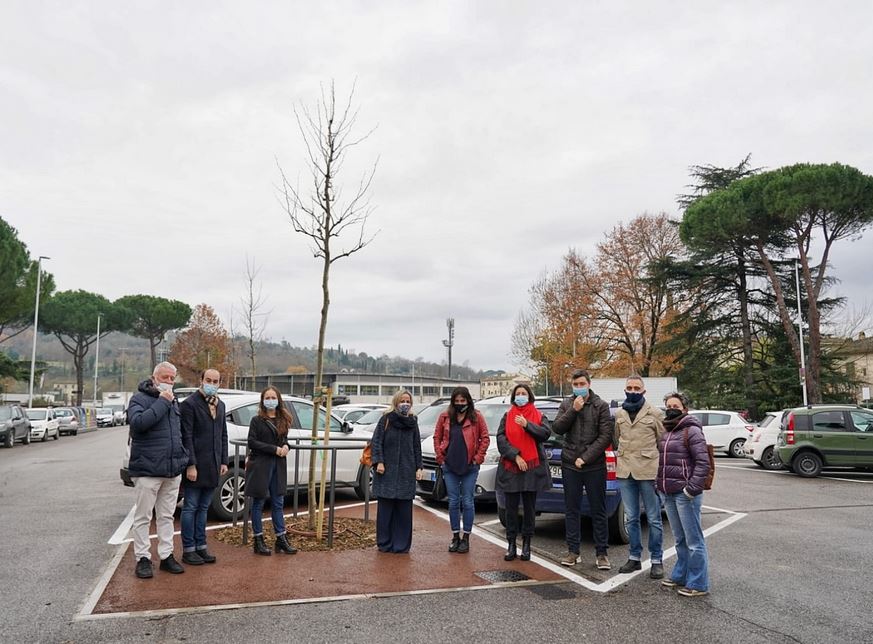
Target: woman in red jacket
(460, 441)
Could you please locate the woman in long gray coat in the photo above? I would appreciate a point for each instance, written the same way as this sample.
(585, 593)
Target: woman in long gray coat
(396, 456)
(524, 469)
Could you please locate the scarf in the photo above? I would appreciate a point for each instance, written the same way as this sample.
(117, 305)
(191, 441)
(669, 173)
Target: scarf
(674, 423)
(212, 402)
(633, 408)
(400, 421)
(519, 438)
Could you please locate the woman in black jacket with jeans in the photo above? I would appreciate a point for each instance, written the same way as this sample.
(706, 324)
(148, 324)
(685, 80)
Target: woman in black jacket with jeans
(266, 469)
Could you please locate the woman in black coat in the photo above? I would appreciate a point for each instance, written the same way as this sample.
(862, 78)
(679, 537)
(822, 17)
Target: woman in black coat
(396, 456)
(523, 469)
(266, 469)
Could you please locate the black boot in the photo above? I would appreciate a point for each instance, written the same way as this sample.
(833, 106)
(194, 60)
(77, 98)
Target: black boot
(511, 552)
(282, 545)
(260, 547)
(456, 541)
(464, 546)
(525, 548)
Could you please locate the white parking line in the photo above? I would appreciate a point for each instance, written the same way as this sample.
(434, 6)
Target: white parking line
(122, 530)
(613, 582)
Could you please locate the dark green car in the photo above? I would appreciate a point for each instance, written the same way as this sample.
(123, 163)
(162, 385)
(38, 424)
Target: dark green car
(820, 436)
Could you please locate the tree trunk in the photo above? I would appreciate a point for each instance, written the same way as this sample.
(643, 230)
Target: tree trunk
(153, 345)
(78, 363)
(813, 359)
(746, 330)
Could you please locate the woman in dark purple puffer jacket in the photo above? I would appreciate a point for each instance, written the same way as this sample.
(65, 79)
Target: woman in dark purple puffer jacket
(682, 470)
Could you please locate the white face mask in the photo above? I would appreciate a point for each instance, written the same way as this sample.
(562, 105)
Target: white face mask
(164, 386)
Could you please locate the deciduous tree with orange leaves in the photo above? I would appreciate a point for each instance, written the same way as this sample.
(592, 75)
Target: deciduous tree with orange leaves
(204, 344)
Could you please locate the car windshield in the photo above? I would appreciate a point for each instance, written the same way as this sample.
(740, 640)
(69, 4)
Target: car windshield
(370, 417)
(36, 414)
(5, 413)
(63, 413)
(492, 415)
(767, 420)
(427, 418)
(103, 411)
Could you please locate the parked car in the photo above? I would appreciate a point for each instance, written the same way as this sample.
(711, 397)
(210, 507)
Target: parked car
(367, 422)
(726, 431)
(761, 445)
(43, 424)
(68, 421)
(14, 425)
(105, 417)
(820, 436)
(183, 392)
(119, 414)
(240, 410)
(351, 413)
(432, 487)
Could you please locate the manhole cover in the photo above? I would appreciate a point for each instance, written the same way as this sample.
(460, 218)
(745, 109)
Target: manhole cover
(499, 576)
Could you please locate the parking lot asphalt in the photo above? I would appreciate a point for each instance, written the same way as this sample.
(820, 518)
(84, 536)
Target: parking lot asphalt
(794, 568)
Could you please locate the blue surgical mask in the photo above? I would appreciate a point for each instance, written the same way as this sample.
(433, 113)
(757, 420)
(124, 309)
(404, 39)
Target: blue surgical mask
(164, 386)
(210, 390)
(521, 401)
(404, 408)
(271, 403)
(580, 391)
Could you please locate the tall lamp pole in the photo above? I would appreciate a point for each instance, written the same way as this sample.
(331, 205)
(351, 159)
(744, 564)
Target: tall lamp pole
(96, 358)
(35, 328)
(800, 333)
(448, 344)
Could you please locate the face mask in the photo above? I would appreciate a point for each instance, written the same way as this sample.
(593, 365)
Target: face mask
(210, 390)
(404, 408)
(521, 401)
(633, 396)
(461, 408)
(672, 414)
(271, 403)
(580, 391)
(164, 386)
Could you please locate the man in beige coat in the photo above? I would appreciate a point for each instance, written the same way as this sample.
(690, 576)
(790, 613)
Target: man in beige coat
(638, 426)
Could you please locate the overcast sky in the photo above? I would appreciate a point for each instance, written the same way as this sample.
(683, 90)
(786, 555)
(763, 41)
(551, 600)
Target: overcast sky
(139, 145)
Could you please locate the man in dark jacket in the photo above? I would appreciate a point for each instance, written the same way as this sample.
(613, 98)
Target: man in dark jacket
(586, 424)
(204, 434)
(157, 458)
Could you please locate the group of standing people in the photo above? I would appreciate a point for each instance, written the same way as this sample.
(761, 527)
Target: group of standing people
(661, 458)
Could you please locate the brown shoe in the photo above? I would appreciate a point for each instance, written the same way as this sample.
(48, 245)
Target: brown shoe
(691, 592)
(571, 559)
(602, 563)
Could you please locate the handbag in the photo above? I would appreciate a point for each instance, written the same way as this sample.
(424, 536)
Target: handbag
(710, 450)
(367, 455)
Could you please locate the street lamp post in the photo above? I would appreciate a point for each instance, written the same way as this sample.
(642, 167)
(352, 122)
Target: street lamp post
(800, 333)
(35, 328)
(96, 358)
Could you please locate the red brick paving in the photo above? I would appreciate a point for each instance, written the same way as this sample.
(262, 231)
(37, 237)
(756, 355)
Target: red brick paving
(241, 577)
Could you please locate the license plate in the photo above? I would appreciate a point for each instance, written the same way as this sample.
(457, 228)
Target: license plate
(555, 471)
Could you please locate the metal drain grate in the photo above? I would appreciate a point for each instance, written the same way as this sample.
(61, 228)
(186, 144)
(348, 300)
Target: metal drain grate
(499, 576)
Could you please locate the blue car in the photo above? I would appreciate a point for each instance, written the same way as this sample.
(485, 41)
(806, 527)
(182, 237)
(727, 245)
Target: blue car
(553, 500)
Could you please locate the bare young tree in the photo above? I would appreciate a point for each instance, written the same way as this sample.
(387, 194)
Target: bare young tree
(322, 213)
(254, 317)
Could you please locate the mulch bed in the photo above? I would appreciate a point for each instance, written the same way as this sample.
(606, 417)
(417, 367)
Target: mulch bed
(348, 534)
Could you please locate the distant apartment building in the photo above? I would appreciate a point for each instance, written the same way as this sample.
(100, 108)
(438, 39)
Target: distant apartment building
(502, 384)
(361, 387)
(856, 358)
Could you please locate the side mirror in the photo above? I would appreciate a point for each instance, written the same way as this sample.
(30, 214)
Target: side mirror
(346, 428)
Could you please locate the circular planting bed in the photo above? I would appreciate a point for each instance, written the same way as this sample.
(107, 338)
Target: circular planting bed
(348, 534)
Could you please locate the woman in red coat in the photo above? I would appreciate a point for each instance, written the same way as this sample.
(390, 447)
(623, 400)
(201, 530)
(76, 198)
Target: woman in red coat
(460, 441)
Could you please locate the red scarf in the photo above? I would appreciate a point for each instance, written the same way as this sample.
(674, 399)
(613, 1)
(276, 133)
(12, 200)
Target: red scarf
(519, 438)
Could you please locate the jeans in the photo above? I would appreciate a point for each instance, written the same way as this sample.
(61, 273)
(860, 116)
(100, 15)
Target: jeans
(631, 489)
(194, 507)
(277, 508)
(594, 483)
(460, 490)
(692, 562)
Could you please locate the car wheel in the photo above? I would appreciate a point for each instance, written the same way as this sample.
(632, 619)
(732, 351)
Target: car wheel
(25, 440)
(57, 434)
(770, 459)
(736, 450)
(222, 500)
(74, 432)
(362, 481)
(807, 464)
(618, 526)
(10, 438)
(45, 436)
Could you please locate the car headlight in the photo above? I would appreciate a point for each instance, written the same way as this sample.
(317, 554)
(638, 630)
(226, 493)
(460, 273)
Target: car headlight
(492, 455)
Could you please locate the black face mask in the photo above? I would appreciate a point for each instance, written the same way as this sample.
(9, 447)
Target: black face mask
(460, 408)
(673, 414)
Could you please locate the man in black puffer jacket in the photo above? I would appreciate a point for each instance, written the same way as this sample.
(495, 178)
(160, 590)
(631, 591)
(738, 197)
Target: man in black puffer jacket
(586, 424)
(157, 458)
